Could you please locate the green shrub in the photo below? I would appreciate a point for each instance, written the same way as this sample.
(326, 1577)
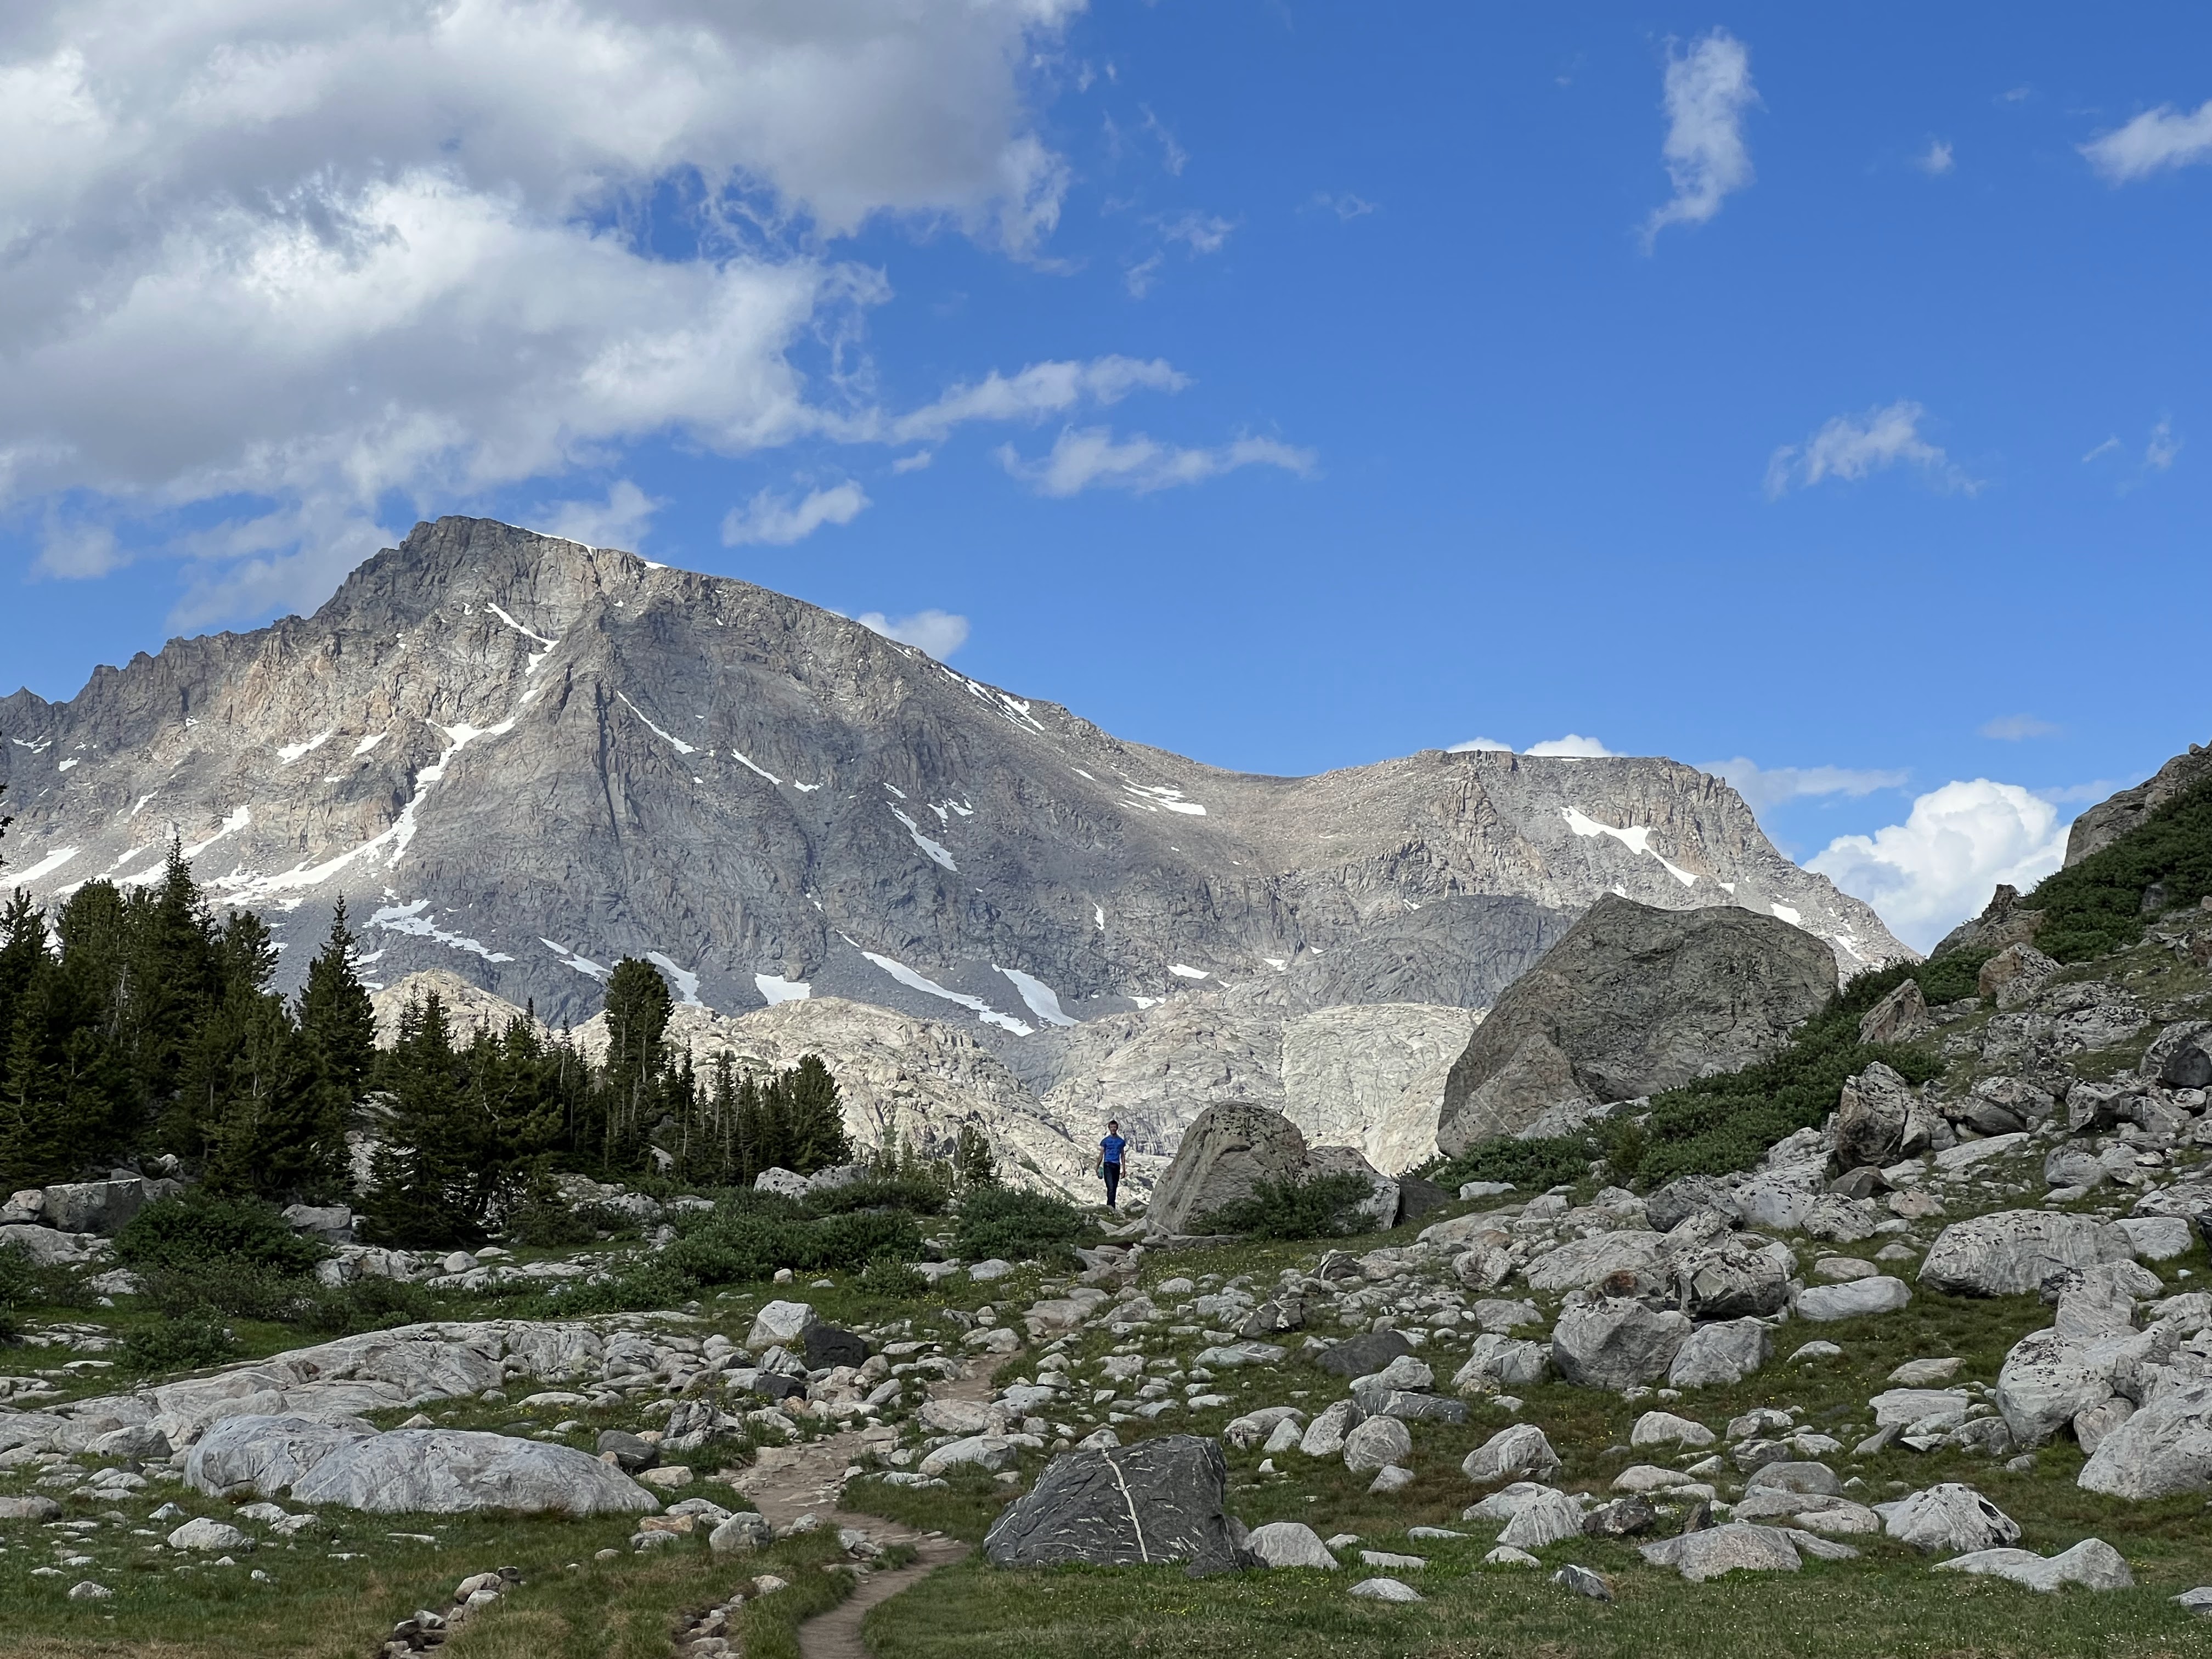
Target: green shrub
(180, 1232)
(17, 1288)
(640, 1285)
(1017, 1226)
(227, 1285)
(917, 1194)
(1533, 1166)
(744, 1241)
(174, 1345)
(1321, 1208)
(2096, 907)
(366, 1304)
(1951, 977)
(893, 1280)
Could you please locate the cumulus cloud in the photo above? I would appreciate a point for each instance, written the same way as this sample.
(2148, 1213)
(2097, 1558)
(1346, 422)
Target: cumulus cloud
(1708, 93)
(1853, 446)
(779, 521)
(1928, 874)
(1475, 744)
(1573, 746)
(621, 520)
(2155, 140)
(1936, 160)
(1083, 457)
(1764, 787)
(2013, 728)
(321, 251)
(938, 632)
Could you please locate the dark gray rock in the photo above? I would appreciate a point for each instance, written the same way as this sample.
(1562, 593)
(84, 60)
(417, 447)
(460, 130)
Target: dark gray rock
(1161, 1501)
(1417, 1197)
(1616, 1344)
(630, 1454)
(1634, 1000)
(1682, 1197)
(1362, 1356)
(828, 1345)
(1879, 1120)
(1623, 1518)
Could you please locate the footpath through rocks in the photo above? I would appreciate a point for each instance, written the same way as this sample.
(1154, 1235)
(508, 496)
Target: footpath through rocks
(788, 1485)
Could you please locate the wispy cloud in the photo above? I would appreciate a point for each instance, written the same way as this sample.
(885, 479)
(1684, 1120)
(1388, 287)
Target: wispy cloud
(78, 552)
(1040, 390)
(779, 521)
(2154, 140)
(1173, 156)
(2017, 728)
(1936, 160)
(1343, 203)
(1763, 786)
(2160, 451)
(1708, 92)
(1087, 456)
(1850, 448)
(938, 632)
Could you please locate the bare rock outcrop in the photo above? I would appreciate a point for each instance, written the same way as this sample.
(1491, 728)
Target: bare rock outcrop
(1372, 1077)
(1632, 1001)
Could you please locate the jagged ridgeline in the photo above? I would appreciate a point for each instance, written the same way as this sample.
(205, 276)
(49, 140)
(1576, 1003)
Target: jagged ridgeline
(2135, 865)
(140, 1027)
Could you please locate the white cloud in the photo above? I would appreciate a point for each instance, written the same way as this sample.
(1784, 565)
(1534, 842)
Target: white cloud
(1936, 160)
(1082, 457)
(1763, 786)
(1939, 867)
(1474, 744)
(321, 251)
(1040, 390)
(2156, 139)
(938, 632)
(1202, 233)
(75, 552)
(2012, 728)
(2104, 448)
(1853, 446)
(779, 521)
(1139, 277)
(2158, 453)
(620, 520)
(1573, 746)
(1707, 91)
(1173, 156)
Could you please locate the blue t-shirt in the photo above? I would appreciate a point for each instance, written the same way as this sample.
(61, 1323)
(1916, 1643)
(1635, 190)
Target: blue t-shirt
(1110, 1149)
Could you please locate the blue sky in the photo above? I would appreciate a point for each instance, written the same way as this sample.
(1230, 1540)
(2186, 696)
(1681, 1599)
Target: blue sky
(1287, 385)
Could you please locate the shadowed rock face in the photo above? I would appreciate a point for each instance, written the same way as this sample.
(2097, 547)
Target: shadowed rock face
(519, 759)
(2109, 819)
(1632, 1001)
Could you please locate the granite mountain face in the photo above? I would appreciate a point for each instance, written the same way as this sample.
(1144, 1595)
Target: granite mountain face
(520, 759)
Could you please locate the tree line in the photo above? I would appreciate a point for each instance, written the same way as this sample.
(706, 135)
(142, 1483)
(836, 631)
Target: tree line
(136, 1022)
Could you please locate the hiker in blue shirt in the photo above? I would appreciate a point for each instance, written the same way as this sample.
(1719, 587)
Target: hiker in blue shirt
(1109, 1159)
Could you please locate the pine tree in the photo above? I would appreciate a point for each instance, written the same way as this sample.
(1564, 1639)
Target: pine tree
(423, 1174)
(269, 1134)
(69, 1094)
(23, 953)
(637, 1009)
(337, 1024)
(814, 1118)
(973, 1165)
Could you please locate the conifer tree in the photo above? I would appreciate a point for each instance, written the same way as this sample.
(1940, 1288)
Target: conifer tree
(338, 1023)
(424, 1173)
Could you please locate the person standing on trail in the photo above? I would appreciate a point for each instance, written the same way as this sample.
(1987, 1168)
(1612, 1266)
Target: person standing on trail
(1110, 1160)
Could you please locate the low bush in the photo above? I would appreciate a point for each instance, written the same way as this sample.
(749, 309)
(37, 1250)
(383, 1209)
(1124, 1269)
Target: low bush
(2098, 905)
(1323, 1207)
(1017, 1226)
(180, 1233)
(16, 1287)
(1533, 1166)
(228, 1284)
(894, 1281)
(366, 1304)
(917, 1194)
(197, 1338)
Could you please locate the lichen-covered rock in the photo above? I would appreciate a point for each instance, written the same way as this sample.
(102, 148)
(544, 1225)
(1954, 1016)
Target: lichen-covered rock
(2093, 1564)
(1520, 1453)
(1739, 1546)
(1715, 1355)
(1160, 1500)
(1634, 1000)
(2013, 1252)
(1616, 1344)
(1947, 1518)
(2164, 1449)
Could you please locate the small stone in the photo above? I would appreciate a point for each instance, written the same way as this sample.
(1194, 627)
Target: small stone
(1385, 1590)
(1582, 1581)
(89, 1591)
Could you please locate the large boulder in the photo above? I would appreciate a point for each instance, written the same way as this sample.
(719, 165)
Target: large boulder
(2093, 1564)
(2165, 1447)
(95, 1206)
(1616, 1343)
(1522, 1452)
(1947, 1519)
(2013, 1252)
(2109, 819)
(1233, 1147)
(1879, 1120)
(1584, 1264)
(1736, 1278)
(1721, 1353)
(1162, 1500)
(1634, 1000)
(459, 1472)
(1854, 1299)
(1897, 1018)
(1290, 1543)
(262, 1456)
(1739, 1546)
